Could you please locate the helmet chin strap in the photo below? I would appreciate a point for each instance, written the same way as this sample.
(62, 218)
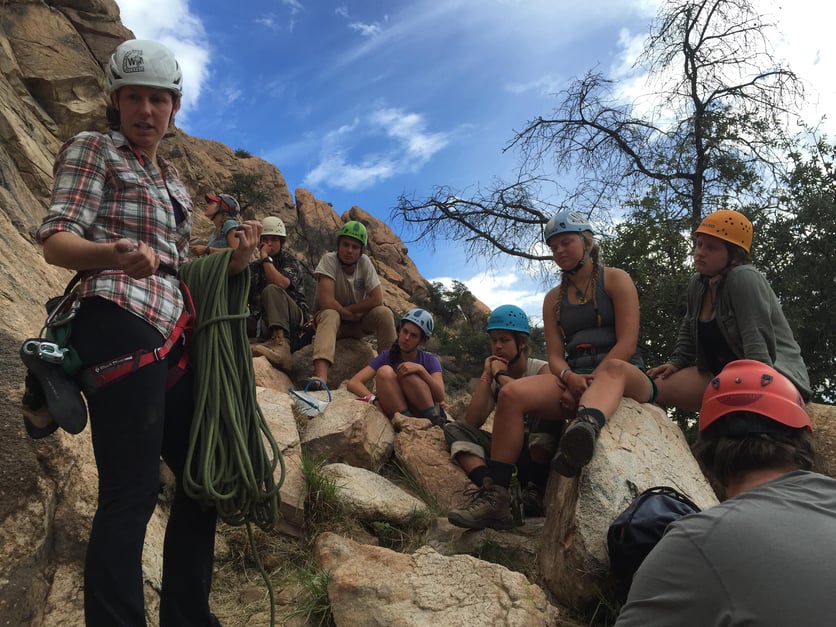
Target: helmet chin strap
(519, 352)
(580, 264)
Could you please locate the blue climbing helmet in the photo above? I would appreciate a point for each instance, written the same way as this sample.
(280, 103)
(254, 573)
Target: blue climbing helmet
(420, 318)
(566, 221)
(509, 318)
(354, 229)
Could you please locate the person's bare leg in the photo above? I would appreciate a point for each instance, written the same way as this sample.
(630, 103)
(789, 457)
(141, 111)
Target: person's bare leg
(417, 392)
(613, 380)
(389, 393)
(539, 394)
(684, 389)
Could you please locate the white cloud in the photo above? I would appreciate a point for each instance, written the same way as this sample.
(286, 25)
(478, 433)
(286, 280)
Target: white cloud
(543, 86)
(268, 20)
(502, 289)
(402, 144)
(294, 5)
(367, 30)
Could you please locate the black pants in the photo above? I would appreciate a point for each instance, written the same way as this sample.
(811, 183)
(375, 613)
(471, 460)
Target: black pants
(134, 422)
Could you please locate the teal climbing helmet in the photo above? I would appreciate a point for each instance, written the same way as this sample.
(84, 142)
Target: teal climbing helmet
(420, 318)
(509, 318)
(354, 229)
(566, 221)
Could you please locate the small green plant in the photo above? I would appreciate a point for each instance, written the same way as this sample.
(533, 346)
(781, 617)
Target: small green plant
(399, 475)
(313, 603)
(242, 154)
(322, 503)
(606, 610)
(404, 538)
(508, 556)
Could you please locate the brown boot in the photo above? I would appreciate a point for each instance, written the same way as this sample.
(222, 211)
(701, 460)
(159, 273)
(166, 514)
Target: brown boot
(490, 506)
(276, 350)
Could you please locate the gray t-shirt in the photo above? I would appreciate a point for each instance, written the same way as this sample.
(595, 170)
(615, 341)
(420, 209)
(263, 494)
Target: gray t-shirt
(348, 288)
(764, 558)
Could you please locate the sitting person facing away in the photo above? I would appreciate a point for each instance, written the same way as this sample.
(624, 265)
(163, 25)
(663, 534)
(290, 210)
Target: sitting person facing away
(277, 295)
(224, 212)
(732, 313)
(587, 325)
(470, 445)
(349, 299)
(408, 379)
(765, 555)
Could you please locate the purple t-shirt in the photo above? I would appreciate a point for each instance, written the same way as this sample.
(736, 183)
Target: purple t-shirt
(428, 360)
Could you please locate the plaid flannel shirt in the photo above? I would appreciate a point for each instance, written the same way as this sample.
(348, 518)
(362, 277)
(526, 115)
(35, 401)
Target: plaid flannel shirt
(104, 191)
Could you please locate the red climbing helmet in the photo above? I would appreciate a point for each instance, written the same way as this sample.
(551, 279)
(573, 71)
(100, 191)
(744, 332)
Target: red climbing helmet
(748, 385)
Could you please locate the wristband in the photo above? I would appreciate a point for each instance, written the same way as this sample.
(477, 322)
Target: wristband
(500, 373)
(562, 375)
(485, 379)
(368, 398)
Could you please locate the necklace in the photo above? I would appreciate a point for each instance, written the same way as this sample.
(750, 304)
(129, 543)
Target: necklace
(580, 294)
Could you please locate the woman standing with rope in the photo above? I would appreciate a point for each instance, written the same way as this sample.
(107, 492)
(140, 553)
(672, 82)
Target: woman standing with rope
(120, 214)
(591, 320)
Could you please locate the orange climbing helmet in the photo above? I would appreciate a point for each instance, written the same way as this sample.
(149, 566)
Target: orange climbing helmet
(729, 226)
(752, 386)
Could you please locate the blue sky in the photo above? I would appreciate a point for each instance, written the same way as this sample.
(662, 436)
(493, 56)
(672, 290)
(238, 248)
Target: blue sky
(362, 101)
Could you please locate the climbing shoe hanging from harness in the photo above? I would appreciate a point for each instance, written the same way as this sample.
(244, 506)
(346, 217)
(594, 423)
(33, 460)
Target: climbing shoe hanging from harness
(51, 396)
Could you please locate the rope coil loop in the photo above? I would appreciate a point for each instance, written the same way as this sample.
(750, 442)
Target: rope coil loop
(232, 457)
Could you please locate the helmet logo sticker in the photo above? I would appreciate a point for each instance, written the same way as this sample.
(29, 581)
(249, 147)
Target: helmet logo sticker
(133, 62)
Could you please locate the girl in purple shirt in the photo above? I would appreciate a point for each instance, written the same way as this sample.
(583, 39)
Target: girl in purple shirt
(408, 379)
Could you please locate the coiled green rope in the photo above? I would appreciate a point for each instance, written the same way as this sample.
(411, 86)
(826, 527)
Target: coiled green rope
(227, 465)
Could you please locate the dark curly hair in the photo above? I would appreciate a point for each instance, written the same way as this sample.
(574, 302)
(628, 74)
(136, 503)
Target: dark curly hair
(727, 452)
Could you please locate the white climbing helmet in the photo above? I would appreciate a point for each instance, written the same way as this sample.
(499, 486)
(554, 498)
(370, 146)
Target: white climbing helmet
(272, 225)
(144, 63)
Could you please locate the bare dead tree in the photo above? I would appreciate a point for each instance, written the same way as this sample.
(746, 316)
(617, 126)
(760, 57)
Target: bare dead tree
(718, 110)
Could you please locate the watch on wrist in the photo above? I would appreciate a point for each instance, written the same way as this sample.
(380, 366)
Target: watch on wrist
(500, 373)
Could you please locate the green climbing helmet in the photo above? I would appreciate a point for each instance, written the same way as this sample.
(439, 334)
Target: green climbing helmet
(509, 318)
(354, 229)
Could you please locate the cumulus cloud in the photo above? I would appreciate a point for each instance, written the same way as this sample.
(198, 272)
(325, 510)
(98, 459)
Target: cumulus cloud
(501, 289)
(401, 144)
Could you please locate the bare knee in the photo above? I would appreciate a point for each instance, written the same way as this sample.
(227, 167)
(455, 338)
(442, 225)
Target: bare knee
(386, 373)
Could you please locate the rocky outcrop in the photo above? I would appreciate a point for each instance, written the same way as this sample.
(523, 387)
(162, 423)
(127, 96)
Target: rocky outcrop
(350, 432)
(638, 448)
(425, 589)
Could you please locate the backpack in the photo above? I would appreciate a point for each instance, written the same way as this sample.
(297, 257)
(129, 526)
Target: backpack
(637, 529)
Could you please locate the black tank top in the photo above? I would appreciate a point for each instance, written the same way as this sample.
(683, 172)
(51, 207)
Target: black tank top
(581, 327)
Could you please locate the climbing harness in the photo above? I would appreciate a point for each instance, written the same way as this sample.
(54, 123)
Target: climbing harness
(96, 377)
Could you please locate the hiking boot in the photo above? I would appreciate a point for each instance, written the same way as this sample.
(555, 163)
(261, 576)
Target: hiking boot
(532, 501)
(276, 350)
(490, 506)
(577, 444)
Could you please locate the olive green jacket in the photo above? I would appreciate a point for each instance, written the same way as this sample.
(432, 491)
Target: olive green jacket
(752, 322)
